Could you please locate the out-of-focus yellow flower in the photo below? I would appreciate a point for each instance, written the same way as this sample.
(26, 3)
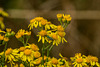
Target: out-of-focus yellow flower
(67, 17)
(37, 54)
(17, 36)
(3, 13)
(21, 65)
(60, 28)
(28, 33)
(54, 61)
(16, 65)
(59, 15)
(22, 49)
(44, 22)
(78, 55)
(27, 52)
(38, 60)
(92, 60)
(2, 31)
(34, 47)
(8, 29)
(1, 37)
(1, 18)
(43, 33)
(6, 39)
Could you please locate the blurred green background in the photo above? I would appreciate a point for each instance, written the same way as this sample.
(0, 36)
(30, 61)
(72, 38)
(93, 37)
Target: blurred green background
(83, 34)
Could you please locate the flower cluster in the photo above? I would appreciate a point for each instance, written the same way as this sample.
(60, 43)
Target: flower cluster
(29, 55)
(84, 61)
(5, 35)
(21, 35)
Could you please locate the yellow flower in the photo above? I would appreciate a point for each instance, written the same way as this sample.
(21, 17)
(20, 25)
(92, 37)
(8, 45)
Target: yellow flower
(21, 32)
(21, 65)
(38, 60)
(92, 60)
(1, 18)
(37, 54)
(67, 17)
(6, 39)
(2, 31)
(61, 34)
(79, 60)
(44, 22)
(1, 37)
(34, 47)
(16, 65)
(22, 49)
(60, 28)
(42, 35)
(8, 30)
(10, 54)
(8, 51)
(56, 38)
(18, 36)
(39, 19)
(54, 61)
(78, 55)
(53, 37)
(59, 15)
(28, 33)
(27, 54)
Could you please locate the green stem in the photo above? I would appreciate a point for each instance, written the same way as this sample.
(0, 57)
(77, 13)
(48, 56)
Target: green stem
(61, 23)
(48, 52)
(43, 51)
(4, 54)
(51, 47)
(66, 25)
